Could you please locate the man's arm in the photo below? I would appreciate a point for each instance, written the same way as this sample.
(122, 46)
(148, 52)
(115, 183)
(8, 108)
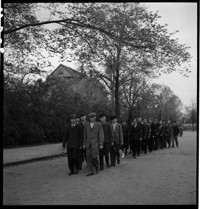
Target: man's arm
(100, 135)
(66, 135)
(84, 136)
(120, 134)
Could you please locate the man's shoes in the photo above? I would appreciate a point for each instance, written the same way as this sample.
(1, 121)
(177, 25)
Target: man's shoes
(90, 174)
(112, 165)
(70, 173)
(108, 165)
(134, 157)
(101, 168)
(118, 162)
(76, 172)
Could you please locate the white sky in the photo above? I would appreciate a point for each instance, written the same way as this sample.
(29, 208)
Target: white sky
(181, 17)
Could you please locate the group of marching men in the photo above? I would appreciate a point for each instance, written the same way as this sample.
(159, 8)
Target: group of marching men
(92, 140)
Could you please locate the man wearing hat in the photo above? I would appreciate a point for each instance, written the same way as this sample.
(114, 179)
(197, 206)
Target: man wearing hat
(93, 141)
(108, 139)
(74, 141)
(118, 141)
(82, 153)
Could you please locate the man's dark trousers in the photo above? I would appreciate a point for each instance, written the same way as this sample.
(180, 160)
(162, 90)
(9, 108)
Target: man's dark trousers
(114, 153)
(73, 159)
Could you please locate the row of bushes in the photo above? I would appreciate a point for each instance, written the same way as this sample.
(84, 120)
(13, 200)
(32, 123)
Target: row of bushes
(38, 113)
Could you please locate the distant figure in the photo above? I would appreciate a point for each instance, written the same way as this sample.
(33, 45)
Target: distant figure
(108, 140)
(146, 133)
(180, 130)
(154, 133)
(175, 134)
(74, 140)
(118, 141)
(125, 130)
(140, 123)
(150, 142)
(169, 132)
(161, 135)
(135, 137)
(93, 141)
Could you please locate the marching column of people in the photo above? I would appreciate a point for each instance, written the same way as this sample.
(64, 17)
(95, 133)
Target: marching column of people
(92, 141)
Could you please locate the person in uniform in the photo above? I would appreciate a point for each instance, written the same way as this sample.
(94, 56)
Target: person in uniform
(135, 137)
(93, 141)
(108, 140)
(82, 154)
(175, 134)
(74, 141)
(146, 133)
(118, 141)
(125, 131)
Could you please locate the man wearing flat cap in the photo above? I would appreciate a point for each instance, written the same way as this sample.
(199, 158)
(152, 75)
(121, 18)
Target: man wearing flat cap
(74, 141)
(93, 141)
(82, 153)
(108, 140)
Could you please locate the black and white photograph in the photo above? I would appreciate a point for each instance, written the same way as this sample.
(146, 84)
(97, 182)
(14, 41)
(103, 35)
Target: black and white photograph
(100, 103)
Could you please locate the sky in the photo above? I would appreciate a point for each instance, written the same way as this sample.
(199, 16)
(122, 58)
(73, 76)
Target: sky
(181, 17)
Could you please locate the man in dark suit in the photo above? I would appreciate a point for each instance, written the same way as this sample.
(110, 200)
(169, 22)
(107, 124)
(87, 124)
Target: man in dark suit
(108, 140)
(74, 141)
(82, 153)
(118, 141)
(135, 138)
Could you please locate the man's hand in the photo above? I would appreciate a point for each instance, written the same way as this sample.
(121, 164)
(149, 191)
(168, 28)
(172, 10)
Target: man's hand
(140, 139)
(101, 147)
(112, 144)
(122, 143)
(83, 146)
(80, 147)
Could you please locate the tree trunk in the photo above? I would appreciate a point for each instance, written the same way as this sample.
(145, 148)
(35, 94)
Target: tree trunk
(117, 67)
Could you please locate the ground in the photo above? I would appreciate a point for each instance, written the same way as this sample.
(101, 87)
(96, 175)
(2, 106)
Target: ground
(159, 178)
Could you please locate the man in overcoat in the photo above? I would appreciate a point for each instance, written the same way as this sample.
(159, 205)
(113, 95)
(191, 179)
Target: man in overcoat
(93, 141)
(74, 141)
(118, 141)
(108, 140)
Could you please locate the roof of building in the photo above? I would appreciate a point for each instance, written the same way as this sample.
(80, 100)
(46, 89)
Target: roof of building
(73, 72)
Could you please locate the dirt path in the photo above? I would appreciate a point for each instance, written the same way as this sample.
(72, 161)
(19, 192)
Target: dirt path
(161, 177)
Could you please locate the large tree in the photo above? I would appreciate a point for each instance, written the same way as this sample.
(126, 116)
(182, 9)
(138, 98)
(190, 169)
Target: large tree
(102, 35)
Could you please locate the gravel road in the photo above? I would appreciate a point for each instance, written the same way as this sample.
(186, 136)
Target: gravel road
(163, 177)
